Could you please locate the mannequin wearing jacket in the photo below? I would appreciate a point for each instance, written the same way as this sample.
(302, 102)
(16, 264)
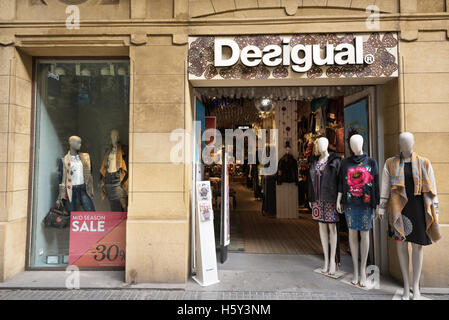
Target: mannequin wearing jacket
(322, 194)
(114, 174)
(77, 181)
(358, 196)
(409, 195)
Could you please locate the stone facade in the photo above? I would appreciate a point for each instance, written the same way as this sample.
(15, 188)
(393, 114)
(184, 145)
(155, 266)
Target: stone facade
(154, 35)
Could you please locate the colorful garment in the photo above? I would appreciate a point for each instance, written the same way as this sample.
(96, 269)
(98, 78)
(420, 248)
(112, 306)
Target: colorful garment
(413, 214)
(359, 217)
(322, 211)
(424, 184)
(359, 181)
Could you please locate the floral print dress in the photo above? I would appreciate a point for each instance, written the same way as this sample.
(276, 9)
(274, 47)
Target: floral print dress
(322, 211)
(359, 216)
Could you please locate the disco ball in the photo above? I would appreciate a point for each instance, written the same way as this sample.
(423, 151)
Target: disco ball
(264, 104)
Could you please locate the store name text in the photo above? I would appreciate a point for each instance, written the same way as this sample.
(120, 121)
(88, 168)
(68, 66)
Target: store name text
(301, 57)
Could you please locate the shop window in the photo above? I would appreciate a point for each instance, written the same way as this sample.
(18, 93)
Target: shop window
(85, 99)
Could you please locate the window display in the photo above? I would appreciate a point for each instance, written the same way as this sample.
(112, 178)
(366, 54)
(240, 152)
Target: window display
(79, 156)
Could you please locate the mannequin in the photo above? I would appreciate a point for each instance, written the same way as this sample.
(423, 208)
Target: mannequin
(409, 223)
(359, 186)
(77, 180)
(322, 183)
(114, 174)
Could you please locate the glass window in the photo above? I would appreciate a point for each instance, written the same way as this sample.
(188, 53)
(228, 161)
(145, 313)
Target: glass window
(89, 100)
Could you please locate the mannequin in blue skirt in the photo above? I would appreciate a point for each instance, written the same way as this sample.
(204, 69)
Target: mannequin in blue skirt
(358, 196)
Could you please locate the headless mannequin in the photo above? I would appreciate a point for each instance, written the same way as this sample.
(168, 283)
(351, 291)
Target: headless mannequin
(112, 164)
(356, 144)
(328, 231)
(406, 142)
(112, 167)
(74, 148)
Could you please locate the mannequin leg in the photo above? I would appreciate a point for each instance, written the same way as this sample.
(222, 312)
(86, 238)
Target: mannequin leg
(417, 259)
(333, 242)
(402, 248)
(325, 244)
(354, 246)
(124, 203)
(364, 249)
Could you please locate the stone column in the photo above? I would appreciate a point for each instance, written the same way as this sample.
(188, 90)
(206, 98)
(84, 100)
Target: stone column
(158, 217)
(15, 119)
(409, 6)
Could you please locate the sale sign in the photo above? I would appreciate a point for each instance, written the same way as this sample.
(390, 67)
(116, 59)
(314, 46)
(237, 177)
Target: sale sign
(97, 239)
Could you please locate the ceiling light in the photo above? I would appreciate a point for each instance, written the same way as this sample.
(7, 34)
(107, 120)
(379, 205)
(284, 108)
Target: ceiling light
(85, 72)
(60, 71)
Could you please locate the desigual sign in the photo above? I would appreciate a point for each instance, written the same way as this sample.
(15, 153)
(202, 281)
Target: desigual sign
(294, 56)
(301, 57)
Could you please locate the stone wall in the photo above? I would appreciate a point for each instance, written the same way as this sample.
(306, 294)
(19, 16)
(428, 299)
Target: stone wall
(15, 129)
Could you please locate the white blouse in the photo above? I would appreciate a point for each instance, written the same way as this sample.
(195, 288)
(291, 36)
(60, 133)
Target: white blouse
(77, 170)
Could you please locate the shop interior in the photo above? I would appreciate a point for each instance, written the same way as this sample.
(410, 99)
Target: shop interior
(270, 214)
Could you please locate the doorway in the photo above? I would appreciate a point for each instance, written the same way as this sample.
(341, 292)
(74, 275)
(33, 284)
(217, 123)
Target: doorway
(268, 215)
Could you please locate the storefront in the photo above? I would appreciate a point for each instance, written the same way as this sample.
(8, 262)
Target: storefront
(139, 71)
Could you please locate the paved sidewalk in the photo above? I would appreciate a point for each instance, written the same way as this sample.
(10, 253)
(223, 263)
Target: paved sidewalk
(243, 276)
(150, 294)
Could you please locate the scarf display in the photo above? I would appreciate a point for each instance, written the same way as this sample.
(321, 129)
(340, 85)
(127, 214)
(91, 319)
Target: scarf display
(423, 185)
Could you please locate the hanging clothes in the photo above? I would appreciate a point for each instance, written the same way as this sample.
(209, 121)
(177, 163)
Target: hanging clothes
(287, 170)
(340, 140)
(269, 198)
(318, 103)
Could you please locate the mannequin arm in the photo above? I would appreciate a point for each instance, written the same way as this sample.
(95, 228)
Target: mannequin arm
(339, 208)
(434, 185)
(384, 193)
(61, 185)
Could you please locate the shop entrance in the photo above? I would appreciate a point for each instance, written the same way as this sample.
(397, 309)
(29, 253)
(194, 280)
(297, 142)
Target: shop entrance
(270, 213)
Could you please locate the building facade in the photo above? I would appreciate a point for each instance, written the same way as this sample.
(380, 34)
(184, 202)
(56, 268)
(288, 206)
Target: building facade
(153, 36)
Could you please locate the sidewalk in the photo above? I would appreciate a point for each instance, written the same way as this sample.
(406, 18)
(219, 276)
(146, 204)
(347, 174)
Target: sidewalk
(243, 276)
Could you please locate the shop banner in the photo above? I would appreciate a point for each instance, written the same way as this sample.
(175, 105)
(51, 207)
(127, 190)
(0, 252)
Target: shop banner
(97, 239)
(294, 56)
